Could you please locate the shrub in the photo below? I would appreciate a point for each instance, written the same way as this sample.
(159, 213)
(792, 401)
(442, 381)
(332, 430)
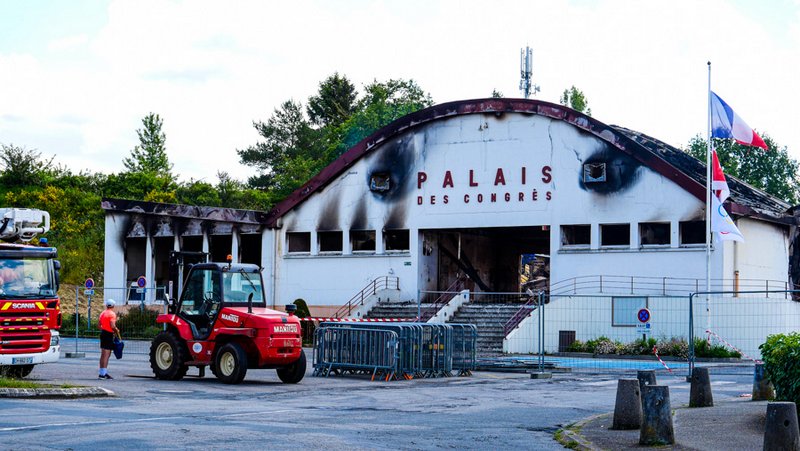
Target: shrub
(138, 322)
(677, 347)
(781, 354)
(703, 349)
(601, 345)
(577, 346)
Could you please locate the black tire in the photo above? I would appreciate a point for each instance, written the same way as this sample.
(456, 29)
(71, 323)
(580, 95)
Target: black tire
(16, 371)
(292, 374)
(168, 356)
(230, 363)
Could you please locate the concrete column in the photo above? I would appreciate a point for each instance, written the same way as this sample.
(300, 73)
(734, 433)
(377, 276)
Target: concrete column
(780, 429)
(347, 247)
(645, 377)
(700, 392)
(762, 387)
(235, 246)
(628, 407)
(206, 242)
(656, 417)
(379, 241)
(114, 259)
(149, 268)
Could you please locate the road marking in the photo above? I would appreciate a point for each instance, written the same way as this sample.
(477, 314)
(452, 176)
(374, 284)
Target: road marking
(140, 420)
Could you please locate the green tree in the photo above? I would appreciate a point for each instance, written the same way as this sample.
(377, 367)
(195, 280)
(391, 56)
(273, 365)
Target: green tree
(575, 99)
(25, 167)
(382, 103)
(334, 103)
(196, 192)
(150, 156)
(773, 170)
(289, 143)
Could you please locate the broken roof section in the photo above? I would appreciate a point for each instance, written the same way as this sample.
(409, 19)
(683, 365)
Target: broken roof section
(745, 200)
(218, 214)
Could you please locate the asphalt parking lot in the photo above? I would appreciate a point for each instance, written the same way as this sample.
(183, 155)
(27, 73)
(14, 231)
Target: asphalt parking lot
(486, 411)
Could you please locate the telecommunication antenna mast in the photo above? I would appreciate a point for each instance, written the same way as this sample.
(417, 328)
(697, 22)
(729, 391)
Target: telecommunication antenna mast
(526, 69)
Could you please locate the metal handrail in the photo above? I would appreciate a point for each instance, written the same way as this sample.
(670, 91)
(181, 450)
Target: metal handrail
(662, 285)
(523, 312)
(380, 283)
(444, 297)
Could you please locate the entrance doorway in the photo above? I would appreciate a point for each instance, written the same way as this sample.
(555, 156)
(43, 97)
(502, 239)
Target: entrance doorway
(491, 260)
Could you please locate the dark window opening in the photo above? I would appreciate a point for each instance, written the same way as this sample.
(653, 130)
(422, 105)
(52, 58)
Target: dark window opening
(380, 182)
(220, 247)
(594, 172)
(397, 240)
(250, 248)
(693, 232)
(297, 242)
(576, 235)
(362, 240)
(654, 233)
(192, 243)
(615, 234)
(330, 241)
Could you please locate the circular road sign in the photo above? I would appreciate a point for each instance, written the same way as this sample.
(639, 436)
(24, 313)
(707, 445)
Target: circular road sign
(643, 316)
(141, 282)
(89, 284)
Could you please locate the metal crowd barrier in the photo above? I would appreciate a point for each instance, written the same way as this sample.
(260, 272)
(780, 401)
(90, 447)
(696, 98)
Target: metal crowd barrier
(394, 350)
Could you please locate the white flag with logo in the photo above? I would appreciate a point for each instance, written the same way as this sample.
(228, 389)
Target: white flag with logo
(722, 223)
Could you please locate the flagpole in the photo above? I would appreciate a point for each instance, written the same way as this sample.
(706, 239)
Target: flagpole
(708, 204)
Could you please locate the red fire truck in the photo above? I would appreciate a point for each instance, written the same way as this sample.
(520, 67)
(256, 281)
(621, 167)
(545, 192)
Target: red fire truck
(30, 314)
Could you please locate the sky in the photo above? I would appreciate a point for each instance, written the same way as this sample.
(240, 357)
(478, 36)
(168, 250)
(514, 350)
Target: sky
(78, 76)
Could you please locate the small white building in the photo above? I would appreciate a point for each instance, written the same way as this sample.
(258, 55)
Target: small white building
(472, 189)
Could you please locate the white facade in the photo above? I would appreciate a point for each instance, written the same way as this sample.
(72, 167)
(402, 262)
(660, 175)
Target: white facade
(469, 188)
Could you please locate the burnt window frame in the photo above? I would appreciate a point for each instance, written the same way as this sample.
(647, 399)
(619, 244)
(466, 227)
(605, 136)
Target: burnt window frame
(615, 246)
(290, 235)
(585, 245)
(701, 225)
(353, 241)
(398, 250)
(325, 235)
(642, 226)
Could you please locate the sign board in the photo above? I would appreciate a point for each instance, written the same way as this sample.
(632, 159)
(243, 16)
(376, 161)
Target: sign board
(89, 284)
(88, 292)
(644, 317)
(141, 282)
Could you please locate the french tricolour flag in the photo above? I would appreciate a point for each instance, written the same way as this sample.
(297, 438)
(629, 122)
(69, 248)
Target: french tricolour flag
(725, 123)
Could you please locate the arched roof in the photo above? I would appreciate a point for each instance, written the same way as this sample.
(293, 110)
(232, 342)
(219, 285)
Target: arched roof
(656, 155)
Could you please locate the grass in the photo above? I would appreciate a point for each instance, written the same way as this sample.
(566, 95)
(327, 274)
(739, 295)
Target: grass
(566, 441)
(7, 382)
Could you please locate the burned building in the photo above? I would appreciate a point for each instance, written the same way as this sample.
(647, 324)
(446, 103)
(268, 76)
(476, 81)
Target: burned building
(473, 193)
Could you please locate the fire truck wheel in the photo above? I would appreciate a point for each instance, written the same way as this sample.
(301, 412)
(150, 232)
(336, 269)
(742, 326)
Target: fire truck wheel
(292, 374)
(168, 356)
(16, 371)
(231, 363)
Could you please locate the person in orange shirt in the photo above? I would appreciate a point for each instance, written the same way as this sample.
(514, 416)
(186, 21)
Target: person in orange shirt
(108, 328)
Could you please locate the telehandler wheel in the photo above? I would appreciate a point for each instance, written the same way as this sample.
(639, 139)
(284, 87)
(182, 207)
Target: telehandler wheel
(16, 371)
(230, 364)
(292, 374)
(168, 356)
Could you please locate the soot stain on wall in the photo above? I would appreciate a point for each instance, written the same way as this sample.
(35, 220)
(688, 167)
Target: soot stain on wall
(360, 216)
(329, 217)
(622, 171)
(397, 217)
(395, 159)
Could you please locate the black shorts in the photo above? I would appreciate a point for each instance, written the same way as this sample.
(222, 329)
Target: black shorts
(106, 340)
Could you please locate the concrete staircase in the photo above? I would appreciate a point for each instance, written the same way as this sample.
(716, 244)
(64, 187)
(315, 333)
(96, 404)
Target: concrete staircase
(490, 319)
(401, 310)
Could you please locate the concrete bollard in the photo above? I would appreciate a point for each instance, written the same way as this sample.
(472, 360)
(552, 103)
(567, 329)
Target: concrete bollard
(780, 430)
(700, 392)
(762, 387)
(628, 409)
(656, 417)
(645, 377)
